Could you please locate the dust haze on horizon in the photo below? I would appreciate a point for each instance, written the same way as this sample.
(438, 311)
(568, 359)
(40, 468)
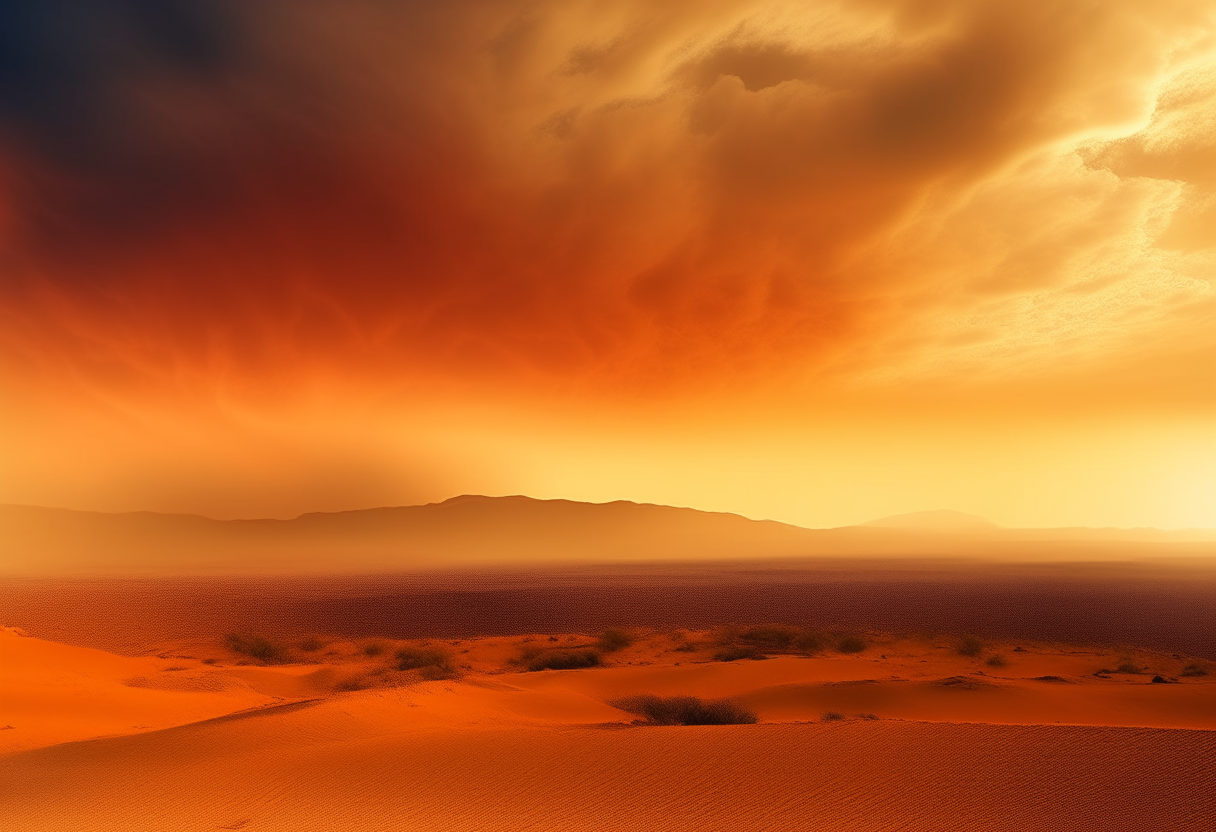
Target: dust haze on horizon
(816, 264)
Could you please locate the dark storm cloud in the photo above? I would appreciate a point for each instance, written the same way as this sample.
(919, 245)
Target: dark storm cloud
(630, 194)
(86, 104)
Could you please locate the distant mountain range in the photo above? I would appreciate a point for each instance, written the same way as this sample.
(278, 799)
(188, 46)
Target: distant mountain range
(475, 530)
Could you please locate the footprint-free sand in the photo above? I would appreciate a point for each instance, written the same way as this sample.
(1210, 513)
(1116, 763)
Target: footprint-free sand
(907, 734)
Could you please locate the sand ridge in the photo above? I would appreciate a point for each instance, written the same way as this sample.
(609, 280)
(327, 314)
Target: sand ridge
(905, 734)
(317, 768)
(52, 693)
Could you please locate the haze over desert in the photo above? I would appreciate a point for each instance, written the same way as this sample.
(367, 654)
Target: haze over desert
(871, 691)
(607, 415)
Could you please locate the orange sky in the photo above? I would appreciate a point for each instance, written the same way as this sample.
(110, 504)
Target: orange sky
(812, 263)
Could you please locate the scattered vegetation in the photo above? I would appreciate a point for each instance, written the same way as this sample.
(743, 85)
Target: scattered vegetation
(1128, 667)
(769, 638)
(428, 661)
(760, 641)
(562, 660)
(867, 716)
(735, 652)
(1194, 669)
(808, 643)
(352, 683)
(832, 716)
(373, 649)
(850, 644)
(311, 645)
(612, 640)
(685, 710)
(996, 660)
(970, 646)
(256, 647)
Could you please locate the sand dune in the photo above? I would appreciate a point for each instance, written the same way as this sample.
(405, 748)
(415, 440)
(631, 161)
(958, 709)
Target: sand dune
(52, 693)
(320, 768)
(907, 734)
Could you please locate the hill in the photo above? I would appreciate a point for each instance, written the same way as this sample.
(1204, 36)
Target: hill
(477, 530)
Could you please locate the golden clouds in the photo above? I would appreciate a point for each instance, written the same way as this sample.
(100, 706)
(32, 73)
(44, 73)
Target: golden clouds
(234, 210)
(611, 190)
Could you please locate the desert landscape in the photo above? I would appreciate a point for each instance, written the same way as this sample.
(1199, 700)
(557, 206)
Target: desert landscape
(574, 415)
(579, 731)
(829, 691)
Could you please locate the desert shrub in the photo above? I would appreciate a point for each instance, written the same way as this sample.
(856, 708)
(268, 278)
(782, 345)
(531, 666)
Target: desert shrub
(422, 658)
(738, 651)
(373, 649)
(352, 683)
(256, 647)
(808, 643)
(435, 672)
(997, 660)
(850, 644)
(310, 645)
(832, 716)
(685, 710)
(867, 716)
(612, 640)
(686, 647)
(1128, 667)
(1194, 669)
(769, 638)
(970, 646)
(563, 660)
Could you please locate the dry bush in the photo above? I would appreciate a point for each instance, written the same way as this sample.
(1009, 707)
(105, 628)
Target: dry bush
(373, 649)
(808, 643)
(426, 659)
(970, 646)
(685, 710)
(1194, 669)
(435, 672)
(832, 716)
(738, 651)
(612, 640)
(996, 660)
(770, 638)
(352, 683)
(756, 642)
(256, 647)
(850, 644)
(311, 645)
(1128, 667)
(561, 659)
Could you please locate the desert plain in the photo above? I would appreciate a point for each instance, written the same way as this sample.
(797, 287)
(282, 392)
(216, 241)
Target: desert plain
(121, 716)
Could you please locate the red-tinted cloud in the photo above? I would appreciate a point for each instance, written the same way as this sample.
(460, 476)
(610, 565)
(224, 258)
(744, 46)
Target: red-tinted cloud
(248, 202)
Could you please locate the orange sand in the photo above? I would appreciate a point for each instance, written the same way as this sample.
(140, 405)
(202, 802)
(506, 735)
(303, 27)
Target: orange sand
(955, 743)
